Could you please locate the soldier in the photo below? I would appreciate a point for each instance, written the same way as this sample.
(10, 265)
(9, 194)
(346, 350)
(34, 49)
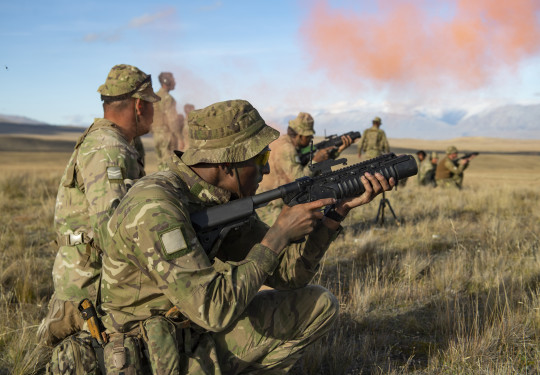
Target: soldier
(185, 131)
(166, 127)
(449, 172)
(154, 263)
(285, 163)
(426, 169)
(374, 142)
(102, 167)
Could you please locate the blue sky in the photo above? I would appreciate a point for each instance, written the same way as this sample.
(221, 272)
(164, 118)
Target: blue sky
(55, 54)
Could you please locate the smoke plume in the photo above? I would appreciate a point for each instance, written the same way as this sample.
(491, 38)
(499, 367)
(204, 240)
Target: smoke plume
(422, 43)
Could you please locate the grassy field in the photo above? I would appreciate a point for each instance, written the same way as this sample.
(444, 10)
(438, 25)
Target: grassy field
(451, 289)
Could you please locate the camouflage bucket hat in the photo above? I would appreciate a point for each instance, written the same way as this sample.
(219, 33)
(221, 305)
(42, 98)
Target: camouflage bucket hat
(451, 150)
(434, 155)
(126, 81)
(302, 124)
(377, 120)
(226, 132)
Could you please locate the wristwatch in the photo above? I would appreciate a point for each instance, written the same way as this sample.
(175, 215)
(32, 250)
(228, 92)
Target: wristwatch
(331, 213)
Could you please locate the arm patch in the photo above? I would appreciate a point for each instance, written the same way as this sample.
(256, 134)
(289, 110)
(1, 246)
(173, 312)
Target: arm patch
(114, 173)
(173, 242)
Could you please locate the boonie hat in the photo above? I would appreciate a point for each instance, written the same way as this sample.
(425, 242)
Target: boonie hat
(451, 150)
(127, 81)
(303, 124)
(226, 132)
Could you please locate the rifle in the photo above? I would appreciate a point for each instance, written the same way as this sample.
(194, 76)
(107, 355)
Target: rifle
(466, 156)
(213, 224)
(335, 141)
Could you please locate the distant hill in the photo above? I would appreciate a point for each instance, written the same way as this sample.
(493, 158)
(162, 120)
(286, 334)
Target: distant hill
(7, 127)
(19, 120)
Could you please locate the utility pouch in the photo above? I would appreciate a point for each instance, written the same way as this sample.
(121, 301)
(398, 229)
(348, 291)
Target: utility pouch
(74, 356)
(123, 355)
(159, 335)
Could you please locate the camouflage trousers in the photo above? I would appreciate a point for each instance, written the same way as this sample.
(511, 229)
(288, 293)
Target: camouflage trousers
(163, 144)
(275, 329)
(63, 319)
(450, 183)
(269, 337)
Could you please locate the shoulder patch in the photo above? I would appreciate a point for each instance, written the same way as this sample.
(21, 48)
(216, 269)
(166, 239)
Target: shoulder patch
(174, 243)
(114, 173)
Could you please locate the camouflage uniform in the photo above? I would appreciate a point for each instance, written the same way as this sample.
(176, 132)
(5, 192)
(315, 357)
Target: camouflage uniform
(447, 174)
(426, 172)
(185, 130)
(99, 172)
(285, 166)
(154, 261)
(164, 127)
(374, 142)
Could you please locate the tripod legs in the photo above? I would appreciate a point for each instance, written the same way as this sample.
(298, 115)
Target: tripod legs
(380, 212)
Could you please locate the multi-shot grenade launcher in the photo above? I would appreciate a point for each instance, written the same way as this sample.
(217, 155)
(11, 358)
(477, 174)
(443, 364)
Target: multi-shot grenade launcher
(306, 153)
(213, 224)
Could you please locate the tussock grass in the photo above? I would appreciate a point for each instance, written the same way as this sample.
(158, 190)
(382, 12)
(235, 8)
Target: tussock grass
(26, 256)
(453, 289)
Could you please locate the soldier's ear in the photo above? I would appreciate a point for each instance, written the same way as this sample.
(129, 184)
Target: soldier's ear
(138, 106)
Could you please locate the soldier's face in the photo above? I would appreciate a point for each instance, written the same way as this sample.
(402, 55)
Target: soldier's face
(250, 174)
(303, 140)
(146, 116)
(452, 156)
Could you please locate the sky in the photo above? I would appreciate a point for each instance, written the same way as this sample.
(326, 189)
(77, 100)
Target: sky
(284, 56)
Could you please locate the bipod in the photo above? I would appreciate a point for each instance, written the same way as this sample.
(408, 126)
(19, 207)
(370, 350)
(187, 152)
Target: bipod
(380, 212)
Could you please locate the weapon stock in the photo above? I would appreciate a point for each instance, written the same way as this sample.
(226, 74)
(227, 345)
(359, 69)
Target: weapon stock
(335, 141)
(213, 224)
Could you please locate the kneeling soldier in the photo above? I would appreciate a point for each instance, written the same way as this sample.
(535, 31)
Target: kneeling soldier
(154, 261)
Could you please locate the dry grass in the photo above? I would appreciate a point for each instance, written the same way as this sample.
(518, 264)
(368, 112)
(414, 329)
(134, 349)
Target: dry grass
(452, 290)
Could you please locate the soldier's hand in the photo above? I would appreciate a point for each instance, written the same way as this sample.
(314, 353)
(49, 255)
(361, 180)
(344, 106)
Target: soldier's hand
(293, 223)
(374, 185)
(322, 154)
(463, 161)
(347, 141)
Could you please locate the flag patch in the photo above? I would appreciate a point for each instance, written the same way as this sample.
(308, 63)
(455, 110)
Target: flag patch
(173, 242)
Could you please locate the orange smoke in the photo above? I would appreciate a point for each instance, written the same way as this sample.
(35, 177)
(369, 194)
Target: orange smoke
(405, 43)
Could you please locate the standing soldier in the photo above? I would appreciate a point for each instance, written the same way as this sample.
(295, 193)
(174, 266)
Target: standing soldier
(374, 142)
(426, 170)
(166, 127)
(449, 172)
(285, 163)
(203, 315)
(102, 167)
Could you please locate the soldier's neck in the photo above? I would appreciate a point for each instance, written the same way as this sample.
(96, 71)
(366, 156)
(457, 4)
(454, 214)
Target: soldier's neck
(125, 121)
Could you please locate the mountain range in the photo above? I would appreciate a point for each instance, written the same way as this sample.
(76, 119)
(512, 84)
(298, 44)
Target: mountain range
(509, 122)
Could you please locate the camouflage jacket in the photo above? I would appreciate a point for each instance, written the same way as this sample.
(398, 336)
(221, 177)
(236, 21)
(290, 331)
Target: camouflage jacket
(373, 143)
(446, 169)
(100, 170)
(154, 259)
(426, 172)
